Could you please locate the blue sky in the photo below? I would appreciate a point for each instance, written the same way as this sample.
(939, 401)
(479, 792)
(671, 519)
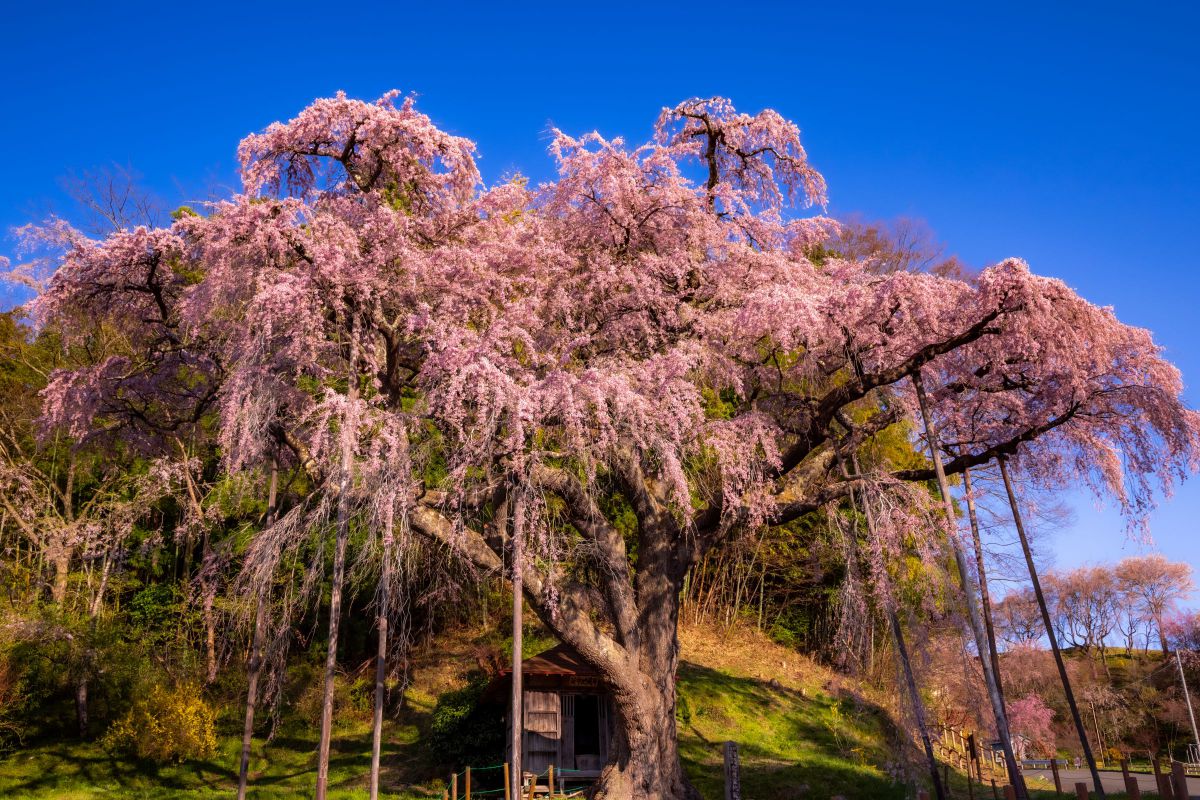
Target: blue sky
(1062, 133)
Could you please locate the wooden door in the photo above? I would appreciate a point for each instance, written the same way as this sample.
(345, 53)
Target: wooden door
(543, 726)
(566, 751)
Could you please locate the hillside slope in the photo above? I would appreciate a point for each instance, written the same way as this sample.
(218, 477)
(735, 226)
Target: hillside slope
(802, 731)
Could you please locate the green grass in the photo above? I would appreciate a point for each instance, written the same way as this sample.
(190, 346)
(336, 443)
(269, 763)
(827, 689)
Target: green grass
(801, 731)
(283, 769)
(790, 744)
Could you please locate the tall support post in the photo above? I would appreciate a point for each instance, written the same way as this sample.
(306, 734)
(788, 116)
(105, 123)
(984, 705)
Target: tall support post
(387, 542)
(1188, 697)
(910, 681)
(1048, 623)
(345, 479)
(256, 646)
(984, 594)
(969, 593)
(517, 710)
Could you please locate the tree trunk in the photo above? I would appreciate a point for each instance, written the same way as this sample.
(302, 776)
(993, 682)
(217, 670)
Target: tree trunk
(1058, 660)
(210, 635)
(254, 668)
(81, 705)
(516, 715)
(968, 585)
(62, 572)
(644, 760)
(984, 595)
(918, 707)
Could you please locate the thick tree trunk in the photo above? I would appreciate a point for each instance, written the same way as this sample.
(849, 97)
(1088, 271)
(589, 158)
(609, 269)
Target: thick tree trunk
(1058, 659)
(990, 678)
(644, 762)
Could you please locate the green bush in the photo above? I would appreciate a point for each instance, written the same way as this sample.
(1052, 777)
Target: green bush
(167, 725)
(464, 730)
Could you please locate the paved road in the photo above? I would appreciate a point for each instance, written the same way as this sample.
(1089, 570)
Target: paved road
(1113, 781)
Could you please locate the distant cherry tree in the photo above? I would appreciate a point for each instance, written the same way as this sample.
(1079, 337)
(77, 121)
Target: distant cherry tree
(1032, 718)
(1153, 586)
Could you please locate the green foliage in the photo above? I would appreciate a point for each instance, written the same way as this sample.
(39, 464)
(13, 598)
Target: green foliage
(462, 730)
(167, 725)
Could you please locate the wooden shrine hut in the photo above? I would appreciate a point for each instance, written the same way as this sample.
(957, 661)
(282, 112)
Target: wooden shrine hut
(568, 715)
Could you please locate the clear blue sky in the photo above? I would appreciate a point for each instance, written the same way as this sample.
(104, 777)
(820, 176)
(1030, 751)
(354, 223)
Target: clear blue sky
(1062, 133)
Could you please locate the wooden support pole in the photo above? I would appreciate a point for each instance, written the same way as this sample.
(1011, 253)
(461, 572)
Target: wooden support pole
(550, 779)
(1132, 789)
(1009, 792)
(1179, 776)
(468, 783)
(532, 786)
(507, 783)
(1050, 635)
(454, 786)
(1081, 790)
(1125, 770)
(991, 680)
(1057, 779)
(517, 701)
(1164, 786)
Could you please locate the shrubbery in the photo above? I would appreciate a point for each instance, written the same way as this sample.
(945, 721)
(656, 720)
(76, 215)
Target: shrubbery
(463, 729)
(167, 725)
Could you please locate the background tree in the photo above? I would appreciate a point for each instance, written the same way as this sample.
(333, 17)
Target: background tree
(1155, 585)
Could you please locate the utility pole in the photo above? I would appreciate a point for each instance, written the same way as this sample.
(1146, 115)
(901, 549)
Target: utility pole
(1195, 746)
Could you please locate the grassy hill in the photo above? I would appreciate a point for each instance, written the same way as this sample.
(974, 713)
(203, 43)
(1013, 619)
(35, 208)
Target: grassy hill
(802, 731)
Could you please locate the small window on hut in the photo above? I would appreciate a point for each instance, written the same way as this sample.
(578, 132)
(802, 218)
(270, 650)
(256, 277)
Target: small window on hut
(587, 725)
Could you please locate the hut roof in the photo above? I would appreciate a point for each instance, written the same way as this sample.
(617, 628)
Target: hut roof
(558, 660)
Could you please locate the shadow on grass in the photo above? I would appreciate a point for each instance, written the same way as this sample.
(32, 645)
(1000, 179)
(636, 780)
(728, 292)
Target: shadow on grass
(284, 768)
(791, 744)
